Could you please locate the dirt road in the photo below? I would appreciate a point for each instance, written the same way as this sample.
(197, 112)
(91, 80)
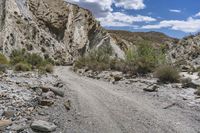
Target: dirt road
(105, 108)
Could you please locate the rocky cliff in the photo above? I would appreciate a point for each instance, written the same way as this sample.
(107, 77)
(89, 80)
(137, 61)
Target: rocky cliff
(187, 51)
(52, 28)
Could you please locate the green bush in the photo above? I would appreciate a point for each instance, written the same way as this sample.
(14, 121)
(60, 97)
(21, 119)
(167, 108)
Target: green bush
(140, 60)
(167, 74)
(97, 59)
(3, 60)
(34, 60)
(143, 65)
(131, 54)
(46, 69)
(144, 59)
(22, 67)
(3, 63)
(23, 59)
(18, 56)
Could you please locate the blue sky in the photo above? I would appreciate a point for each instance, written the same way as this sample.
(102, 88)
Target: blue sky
(176, 18)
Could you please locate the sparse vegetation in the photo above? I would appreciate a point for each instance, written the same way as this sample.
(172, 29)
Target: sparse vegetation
(155, 38)
(3, 63)
(3, 60)
(24, 61)
(140, 60)
(97, 59)
(167, 74)
(46, 69)
(145, 59)
(22, 67)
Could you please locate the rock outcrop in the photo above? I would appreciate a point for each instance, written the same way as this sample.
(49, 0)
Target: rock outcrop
(187, 52)
(55, 29)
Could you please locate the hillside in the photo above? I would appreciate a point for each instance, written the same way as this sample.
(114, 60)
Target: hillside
(135, 38)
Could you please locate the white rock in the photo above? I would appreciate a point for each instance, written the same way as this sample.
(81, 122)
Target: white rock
(43, 126)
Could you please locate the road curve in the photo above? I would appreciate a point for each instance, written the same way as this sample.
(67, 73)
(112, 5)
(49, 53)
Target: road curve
(107, 108)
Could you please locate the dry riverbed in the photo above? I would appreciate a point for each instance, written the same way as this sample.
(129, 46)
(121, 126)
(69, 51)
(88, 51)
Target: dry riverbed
(67, 102)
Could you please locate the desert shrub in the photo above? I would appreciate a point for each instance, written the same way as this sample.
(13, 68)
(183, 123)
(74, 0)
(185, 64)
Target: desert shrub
(167, 74)
(46, 69)
(3, 63)
(21, 58)
(143, 66)
(34, 60)
(97, 59)
(18, 56)
(131, 54)
(22, 67)
(3, 60)
(155, 56)
(140, 60)
(144, 59)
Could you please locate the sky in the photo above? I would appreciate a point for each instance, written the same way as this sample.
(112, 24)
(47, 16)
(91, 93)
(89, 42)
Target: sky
(176, 18)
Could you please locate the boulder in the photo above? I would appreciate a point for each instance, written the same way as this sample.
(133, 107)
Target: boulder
(117, 76)
(190, 80)
(59, 85)
(196, 83)
(43, 126)
(153, 88)
(58, 92)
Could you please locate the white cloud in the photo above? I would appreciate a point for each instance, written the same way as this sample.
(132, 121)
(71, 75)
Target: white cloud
(174, 10)
(130, 4)
(104, 12)
(99, 7)
(120, 19)
(197, 15)
(102, 7)
(189, 25)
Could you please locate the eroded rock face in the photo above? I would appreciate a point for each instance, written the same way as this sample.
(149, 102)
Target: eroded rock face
(187, 52)
(55, 29)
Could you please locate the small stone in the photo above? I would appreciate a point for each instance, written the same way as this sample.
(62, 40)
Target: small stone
(46, 102)
(67, 105)
(9, 113)
(184, 98)
(48, 95)
(4, 124)
(45, 89)
(154, 88)
(18, 127)
(1, 113)
(59, 85)
(43, 126)
(117, 76)
(58, 92)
